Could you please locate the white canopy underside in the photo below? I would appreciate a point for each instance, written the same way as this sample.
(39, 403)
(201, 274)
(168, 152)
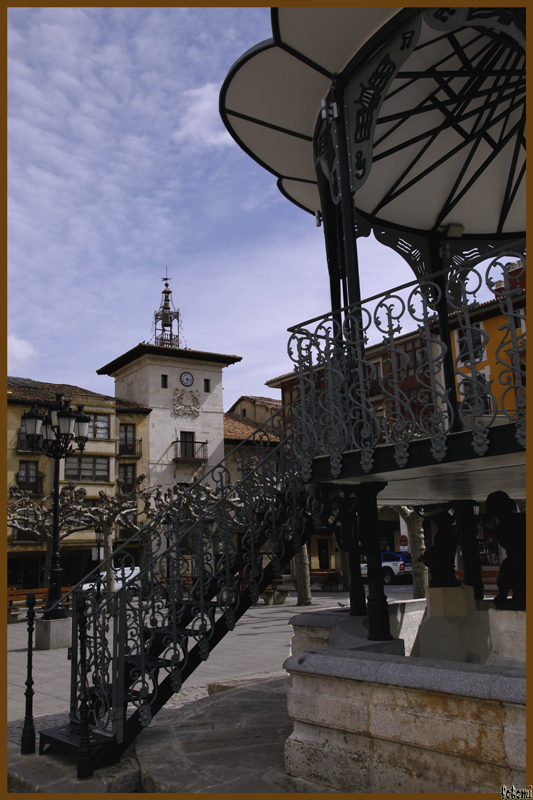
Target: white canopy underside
(276, 87)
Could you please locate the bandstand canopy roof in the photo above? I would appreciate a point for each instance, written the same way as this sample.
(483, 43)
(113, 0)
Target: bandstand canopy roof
(449, 143)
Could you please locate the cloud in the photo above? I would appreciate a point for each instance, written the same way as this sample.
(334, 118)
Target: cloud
(20, 353)
(119, 165)
(201, 125)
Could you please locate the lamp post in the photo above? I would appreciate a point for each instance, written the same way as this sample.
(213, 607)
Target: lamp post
(98, 531)
(54, 436)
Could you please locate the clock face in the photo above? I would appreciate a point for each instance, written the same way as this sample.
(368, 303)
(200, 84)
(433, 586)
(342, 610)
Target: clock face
(186, 378)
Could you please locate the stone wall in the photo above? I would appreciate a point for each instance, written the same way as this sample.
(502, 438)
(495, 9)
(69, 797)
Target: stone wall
(334, 627)
(372, 722)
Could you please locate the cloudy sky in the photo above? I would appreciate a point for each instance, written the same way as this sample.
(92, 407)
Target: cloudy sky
(120, 167)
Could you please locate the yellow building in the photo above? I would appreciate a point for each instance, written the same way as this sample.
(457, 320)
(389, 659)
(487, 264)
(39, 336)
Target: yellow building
(114, 450)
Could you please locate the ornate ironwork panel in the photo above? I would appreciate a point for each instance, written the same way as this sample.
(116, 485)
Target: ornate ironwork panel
(204, 557)
(377, 378)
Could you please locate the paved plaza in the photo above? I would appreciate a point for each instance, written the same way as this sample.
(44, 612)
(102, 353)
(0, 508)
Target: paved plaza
(259, 644)
(248, 721)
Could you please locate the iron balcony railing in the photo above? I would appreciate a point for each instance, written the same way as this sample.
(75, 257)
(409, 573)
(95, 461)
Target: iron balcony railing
(362, 383)
(190, 450)
(131, 447)
(23, 444)
(33, 484)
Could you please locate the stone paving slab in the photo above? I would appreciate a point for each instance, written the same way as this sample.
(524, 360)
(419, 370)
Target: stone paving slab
(226, 737)
(55, 774)
(230, 742)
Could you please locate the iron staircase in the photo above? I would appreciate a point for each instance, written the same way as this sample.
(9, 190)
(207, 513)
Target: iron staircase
(205, 560)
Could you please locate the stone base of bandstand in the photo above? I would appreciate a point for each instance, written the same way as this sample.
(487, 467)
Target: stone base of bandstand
(51, 634)
(456, 626)
(508, 637)
(368, 719)
(335, 627)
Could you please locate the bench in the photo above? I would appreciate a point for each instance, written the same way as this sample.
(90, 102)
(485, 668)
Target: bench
(16, 600)
(274, 595)
(328, 578)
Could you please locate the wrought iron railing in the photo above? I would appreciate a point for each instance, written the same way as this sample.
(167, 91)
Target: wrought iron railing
(205, 559)
(23, 444)
(342, 358)
(131, 447)
(32, 484)
(190, 450)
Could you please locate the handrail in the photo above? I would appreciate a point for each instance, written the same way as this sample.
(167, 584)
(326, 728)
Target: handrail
(467, 265)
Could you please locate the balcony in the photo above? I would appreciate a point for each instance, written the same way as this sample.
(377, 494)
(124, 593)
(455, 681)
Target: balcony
(33, 485)
(452, 355)
(190, 451)
(131, 448)
(23, 445)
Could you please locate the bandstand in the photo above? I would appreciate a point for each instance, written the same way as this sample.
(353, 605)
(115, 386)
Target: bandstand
(408, 124)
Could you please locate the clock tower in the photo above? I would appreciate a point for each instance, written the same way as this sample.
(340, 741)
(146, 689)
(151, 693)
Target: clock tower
(183, 389)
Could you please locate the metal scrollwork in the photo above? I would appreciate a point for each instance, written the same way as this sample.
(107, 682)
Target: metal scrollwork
(435, 415)
(508, 20)
(207, 551)
(510, 353)
(365, 425)
(365, 93)
(477, 407)
(357, 393)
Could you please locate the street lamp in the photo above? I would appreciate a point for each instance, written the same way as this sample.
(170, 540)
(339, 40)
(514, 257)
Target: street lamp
(54, 436)
(99, 540)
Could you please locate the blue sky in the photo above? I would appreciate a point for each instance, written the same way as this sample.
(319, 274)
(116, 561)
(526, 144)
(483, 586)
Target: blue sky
(120, 166)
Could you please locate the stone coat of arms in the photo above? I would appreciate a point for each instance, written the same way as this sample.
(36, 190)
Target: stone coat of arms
(187, 402)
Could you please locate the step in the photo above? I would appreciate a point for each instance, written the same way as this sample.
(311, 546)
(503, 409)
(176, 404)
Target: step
(66, 739)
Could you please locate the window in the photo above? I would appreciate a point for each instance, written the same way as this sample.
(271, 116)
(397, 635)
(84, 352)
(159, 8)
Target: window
(164, 381)
(244, 413)
(126, 473)
(476, 393)
(87, 468)
(126, 439)
(207, 385)
(187, 444)
(413, 350)
(27, 477)
(375, 378)
(477, 344)
(99, 426)
(23, 443)
(92, 502)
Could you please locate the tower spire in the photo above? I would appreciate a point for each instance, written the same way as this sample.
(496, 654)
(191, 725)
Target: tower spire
(164, 318)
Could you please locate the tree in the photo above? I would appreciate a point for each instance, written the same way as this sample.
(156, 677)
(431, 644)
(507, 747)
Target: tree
(302, 577)
(35, 517)
(413, 520)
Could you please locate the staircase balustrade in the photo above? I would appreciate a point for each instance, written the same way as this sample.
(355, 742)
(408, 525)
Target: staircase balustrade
(205, 559)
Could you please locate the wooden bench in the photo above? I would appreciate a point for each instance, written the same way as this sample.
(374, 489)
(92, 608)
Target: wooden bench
(274, 595)
(16, 600)
(328, 578)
